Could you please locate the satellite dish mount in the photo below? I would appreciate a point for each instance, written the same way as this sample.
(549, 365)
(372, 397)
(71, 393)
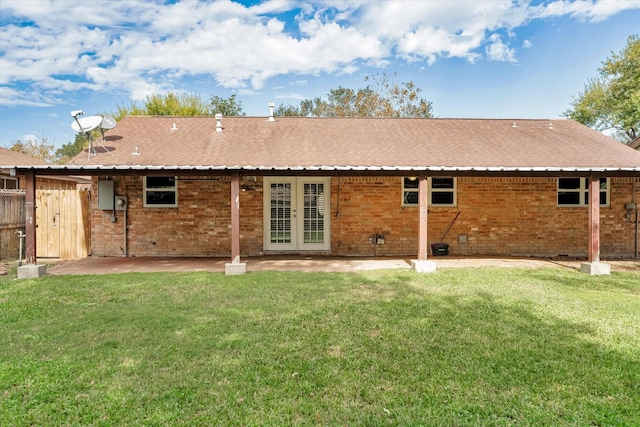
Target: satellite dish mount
(86, 124)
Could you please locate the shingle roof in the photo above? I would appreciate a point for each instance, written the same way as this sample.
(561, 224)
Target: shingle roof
(10, 157)
(255, 143)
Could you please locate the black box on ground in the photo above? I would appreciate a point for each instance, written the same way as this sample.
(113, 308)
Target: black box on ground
(439, 249)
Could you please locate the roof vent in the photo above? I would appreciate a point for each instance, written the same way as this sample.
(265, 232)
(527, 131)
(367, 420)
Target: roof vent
(218, 122)
(174, 127)
(550, 126)
(271, 107)
(514, 125)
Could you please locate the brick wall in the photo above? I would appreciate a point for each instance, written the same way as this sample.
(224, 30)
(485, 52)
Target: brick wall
(499, 216)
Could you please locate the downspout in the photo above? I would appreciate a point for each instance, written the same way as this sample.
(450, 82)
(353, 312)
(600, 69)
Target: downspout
(125, 233)
(636, 204)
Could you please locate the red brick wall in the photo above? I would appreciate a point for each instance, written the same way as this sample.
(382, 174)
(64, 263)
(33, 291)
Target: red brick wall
(499, 216)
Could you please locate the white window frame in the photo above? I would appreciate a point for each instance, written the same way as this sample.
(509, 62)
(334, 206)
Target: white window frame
(583, 192)
(173, 189)
(8, 179)
(431, 190)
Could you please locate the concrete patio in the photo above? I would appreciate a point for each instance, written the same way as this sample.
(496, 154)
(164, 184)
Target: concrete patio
(107, 265)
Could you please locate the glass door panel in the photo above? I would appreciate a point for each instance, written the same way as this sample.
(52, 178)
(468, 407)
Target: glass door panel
(284, 198)
(280, 215)
(313, 221)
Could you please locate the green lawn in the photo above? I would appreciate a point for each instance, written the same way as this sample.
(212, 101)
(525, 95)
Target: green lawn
(458, 347)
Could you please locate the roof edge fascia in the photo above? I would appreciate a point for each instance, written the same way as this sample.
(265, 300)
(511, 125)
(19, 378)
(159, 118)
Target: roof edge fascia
(70, 170)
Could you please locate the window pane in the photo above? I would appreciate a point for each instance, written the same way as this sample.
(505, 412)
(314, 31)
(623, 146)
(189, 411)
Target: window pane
(442, 198)
(161, 197)
(410, 197)
(411, 182)
(441, 182)
(568, 197)
(10, 184)
(160, 182)
(603, 198)
(569, 183)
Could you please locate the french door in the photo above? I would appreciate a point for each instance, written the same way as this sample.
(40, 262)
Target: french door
(296, 214)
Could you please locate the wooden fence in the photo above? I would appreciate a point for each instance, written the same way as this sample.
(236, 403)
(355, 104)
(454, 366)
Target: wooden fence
(11, 221)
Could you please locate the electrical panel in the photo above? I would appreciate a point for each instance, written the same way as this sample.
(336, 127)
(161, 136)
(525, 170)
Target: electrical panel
(105, 195)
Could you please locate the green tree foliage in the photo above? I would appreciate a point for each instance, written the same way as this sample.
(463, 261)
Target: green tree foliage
(171, 104)
(384, 97)
(39, 148)
(287, 111)
(72, 149)
(181, 104)
(226, 106)
(611, 101)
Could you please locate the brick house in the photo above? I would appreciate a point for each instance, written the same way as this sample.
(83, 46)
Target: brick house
(247, 186)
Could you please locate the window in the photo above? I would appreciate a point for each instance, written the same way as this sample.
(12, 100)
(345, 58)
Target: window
(8, 183)
(442, 191)
(575, 192)
(160, 192)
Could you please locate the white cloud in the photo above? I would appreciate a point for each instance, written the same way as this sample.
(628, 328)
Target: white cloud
(48, 48)
(589, 10)
(30, 137)
(498, 51)
(527, 44)
(291, 95)
(10, 96)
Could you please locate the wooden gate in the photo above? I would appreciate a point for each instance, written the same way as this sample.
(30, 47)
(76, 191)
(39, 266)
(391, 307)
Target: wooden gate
(62, 216)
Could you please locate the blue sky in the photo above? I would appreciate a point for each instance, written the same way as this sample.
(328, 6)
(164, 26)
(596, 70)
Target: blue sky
(484, 59)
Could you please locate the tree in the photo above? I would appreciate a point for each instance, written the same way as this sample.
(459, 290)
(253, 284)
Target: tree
(38, 148)
(287, 111)
(181, 104)
(171, 104)
(227, 107)
(611, 101)
(71, 149)
(384, 98)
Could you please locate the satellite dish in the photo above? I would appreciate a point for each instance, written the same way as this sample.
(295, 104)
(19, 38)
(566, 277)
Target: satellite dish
(86, 124)
(108, 122)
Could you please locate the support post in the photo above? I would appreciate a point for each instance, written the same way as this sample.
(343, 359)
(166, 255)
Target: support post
(30, 217)
(422, 264)
(594, 266)
(31, 269)
(235, 266)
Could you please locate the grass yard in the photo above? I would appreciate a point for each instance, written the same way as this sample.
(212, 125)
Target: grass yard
(459, 347)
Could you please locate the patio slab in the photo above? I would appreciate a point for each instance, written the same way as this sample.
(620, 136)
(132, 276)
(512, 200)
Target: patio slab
(107, 265)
